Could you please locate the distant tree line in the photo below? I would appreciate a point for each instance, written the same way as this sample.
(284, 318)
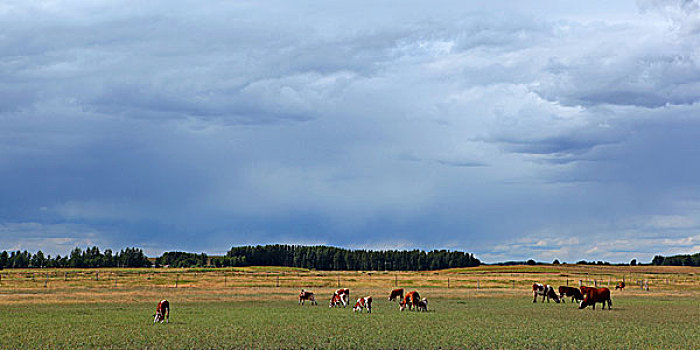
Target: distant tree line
(677, 260)
(331, 258)
(78, 258)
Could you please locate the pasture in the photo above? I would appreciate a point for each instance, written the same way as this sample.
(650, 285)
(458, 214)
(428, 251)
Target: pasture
(249, 310)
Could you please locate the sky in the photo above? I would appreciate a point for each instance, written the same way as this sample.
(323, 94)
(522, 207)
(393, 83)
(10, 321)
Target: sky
(510, 129)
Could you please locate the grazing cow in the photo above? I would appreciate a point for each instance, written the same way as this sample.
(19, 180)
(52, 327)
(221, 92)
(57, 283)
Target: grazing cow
(340, 296)
(596, 295)
(411, 299)
(620, 285)
(572, 292)
(396, 293)
(336, 300)
(423, 305)
(584, 289)
(306, 295)
(162, 312)
(545, 290)
(361, 303)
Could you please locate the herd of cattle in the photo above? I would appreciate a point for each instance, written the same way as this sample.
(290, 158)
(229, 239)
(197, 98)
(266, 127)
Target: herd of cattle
(341, 297)
(586, 296)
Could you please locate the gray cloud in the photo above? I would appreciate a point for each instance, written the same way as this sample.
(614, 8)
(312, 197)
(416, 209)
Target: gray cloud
(178, 126)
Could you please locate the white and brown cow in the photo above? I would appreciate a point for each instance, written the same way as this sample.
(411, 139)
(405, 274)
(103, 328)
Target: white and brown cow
(341, 296)
(361, 303)
(409, 300)
(306, 295)
(162, 312)
(423, 304)
(545, 290)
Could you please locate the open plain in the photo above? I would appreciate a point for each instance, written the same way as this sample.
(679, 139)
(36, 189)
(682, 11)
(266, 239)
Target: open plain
(486, 307)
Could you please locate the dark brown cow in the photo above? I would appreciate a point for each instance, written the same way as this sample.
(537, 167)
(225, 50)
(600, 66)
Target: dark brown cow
(411, 299)
(396, 293)
(584, 289)
(596, 295)
(306, 295)
(545, 290)
(572, 292)
(620, 285)
(162, 312)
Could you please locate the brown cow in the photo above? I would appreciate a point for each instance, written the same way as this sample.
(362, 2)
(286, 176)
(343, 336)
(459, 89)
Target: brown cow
(596, 295)
(162, 312)
(411, 299)
(620, 285)
(572, 292)
(306, 295)
(584, 289)
(396, 293)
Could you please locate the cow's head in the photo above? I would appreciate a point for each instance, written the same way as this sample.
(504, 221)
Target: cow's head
(402, 306)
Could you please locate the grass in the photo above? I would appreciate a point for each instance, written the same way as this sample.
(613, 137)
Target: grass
(487, 322)
(244, 308)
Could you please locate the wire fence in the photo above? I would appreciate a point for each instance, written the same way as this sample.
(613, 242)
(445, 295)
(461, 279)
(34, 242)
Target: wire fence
(188, 278)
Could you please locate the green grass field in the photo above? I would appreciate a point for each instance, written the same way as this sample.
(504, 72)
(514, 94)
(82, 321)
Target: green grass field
(488, 307)
(472, 322)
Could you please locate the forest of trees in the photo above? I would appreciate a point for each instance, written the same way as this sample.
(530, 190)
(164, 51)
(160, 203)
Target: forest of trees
(332, 258)
(677, 260)
(90, 257)
(312, 257)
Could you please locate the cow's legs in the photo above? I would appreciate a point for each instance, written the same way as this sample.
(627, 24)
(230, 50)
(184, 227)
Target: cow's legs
(534, 297)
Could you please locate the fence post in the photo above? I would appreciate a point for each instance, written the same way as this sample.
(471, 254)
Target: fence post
(65, 276)
(278, 280)
(477, 284)
(448, 283)
(97, 276)
(225, 280)
(33, 276)
(115, 279)
(580, 283)
(567, 282)
(46, 281)
(513, 283)
(177, 280)
(338, 280)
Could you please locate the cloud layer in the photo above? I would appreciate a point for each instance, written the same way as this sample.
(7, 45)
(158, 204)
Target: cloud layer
(505, 130)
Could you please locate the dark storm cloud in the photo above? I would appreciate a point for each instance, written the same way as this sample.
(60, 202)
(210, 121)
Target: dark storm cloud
(493, 128)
